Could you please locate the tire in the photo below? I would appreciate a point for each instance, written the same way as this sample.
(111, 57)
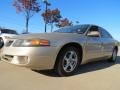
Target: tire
(1, 43)
(68, 61)
(114, 56)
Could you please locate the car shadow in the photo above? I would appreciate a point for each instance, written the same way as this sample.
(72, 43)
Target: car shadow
(93, 66)
(98, 65)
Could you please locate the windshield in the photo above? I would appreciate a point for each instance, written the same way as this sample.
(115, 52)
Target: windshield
(73, 29)
(8, 31)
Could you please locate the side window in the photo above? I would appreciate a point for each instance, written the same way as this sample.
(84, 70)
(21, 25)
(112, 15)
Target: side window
(80, 29)
(93, 32)
(105, 34)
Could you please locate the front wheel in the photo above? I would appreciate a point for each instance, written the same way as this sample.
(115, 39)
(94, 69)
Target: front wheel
(68, 61)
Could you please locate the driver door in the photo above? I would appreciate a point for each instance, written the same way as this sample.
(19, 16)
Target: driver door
(93, 44)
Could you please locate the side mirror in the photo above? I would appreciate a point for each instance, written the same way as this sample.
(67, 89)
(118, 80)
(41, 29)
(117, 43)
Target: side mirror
(93, 34)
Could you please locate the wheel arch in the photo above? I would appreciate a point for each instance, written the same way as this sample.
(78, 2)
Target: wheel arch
(1, 39)
(75, 44)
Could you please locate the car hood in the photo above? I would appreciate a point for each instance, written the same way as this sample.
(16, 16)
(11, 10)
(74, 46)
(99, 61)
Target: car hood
(48, 36)
(8, 35)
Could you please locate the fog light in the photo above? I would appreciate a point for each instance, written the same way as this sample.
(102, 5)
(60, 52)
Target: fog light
(20, 60)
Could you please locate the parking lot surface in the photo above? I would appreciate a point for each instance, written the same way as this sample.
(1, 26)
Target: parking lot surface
(100, 75)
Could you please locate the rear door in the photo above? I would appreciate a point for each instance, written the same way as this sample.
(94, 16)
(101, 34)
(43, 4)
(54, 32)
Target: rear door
(107, 41)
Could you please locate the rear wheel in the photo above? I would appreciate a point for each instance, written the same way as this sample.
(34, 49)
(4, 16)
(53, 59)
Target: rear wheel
(68, 61)
(114, 56)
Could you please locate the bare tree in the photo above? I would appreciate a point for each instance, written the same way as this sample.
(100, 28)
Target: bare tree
(51, 17)
(28, 7)
(63, 23)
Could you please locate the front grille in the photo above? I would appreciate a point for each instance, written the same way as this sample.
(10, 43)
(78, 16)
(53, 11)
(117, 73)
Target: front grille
(7, 57)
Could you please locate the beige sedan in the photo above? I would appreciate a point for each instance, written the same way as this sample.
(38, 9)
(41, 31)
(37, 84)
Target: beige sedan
(63, 50)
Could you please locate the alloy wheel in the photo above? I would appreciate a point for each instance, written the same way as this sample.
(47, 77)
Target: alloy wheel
(70, 61)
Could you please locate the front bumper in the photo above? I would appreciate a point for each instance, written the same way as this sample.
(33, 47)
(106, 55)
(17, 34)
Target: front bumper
(38, 58)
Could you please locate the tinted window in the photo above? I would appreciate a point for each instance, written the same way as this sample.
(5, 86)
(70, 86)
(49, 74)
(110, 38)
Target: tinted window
(93, 28)
(105, 34)
(93, 32)
(8, 31)
(73, 29)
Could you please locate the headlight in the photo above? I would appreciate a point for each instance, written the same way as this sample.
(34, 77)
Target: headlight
(32, 42)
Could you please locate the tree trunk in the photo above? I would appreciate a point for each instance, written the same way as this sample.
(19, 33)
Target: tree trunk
(27, 24)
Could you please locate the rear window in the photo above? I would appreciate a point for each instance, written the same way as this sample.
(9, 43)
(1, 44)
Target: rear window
(105, 34)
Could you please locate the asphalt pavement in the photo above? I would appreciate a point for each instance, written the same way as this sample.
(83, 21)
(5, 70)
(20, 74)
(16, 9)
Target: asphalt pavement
(100, 75)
